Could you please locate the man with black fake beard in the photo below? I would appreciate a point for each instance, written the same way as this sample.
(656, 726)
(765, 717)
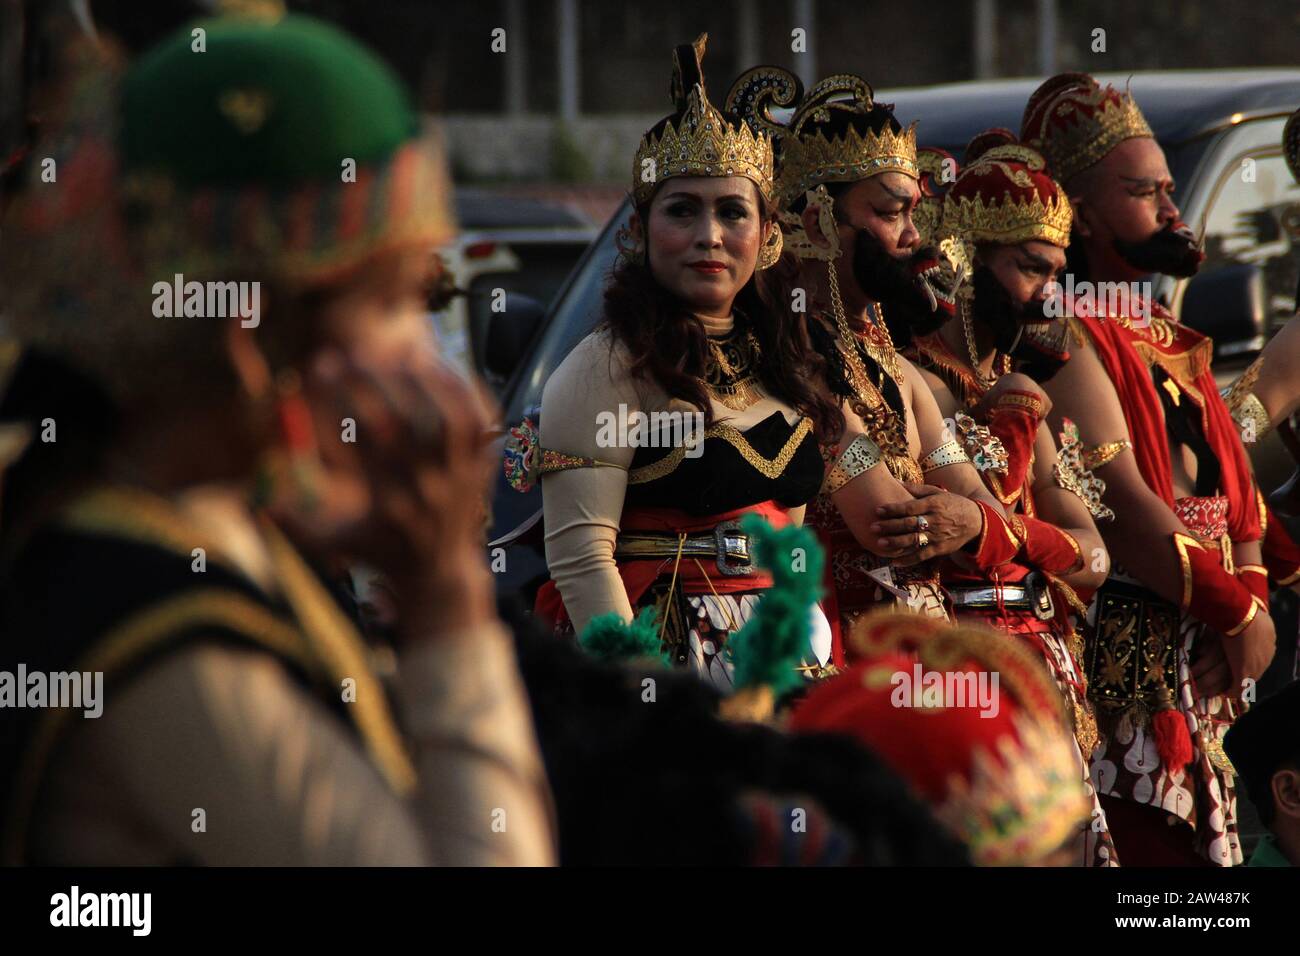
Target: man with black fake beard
(847, 182)
(1181, 626)
(1004, 214)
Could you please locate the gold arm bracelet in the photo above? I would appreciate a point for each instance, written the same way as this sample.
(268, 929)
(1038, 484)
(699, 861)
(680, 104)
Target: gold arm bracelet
(862, 455)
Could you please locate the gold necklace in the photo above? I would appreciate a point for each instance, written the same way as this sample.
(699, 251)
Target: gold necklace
(985, 382)
(868, 392)
(731, 376)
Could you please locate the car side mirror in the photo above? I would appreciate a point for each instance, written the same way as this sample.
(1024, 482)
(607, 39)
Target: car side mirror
(509, 333)
(1227, 304)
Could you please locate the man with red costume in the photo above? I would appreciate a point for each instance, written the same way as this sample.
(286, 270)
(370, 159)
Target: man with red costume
(1010, 220)
(1183, 620)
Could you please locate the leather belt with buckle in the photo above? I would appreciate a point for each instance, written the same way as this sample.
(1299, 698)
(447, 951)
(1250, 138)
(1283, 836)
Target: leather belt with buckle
(726, 544)
(1033, 595)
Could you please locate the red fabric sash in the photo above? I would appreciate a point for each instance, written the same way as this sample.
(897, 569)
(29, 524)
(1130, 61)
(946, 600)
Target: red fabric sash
(1146, 421)
(694, 575)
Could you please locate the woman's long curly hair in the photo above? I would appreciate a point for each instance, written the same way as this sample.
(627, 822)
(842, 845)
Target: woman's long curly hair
(668, 345)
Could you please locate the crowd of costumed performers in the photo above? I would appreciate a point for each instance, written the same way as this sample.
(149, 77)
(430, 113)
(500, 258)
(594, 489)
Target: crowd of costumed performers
(975, 453)
(865, 542)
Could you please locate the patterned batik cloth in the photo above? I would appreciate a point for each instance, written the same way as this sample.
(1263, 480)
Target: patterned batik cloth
(1202, 794)
(865, 582)
(699, 628)
(1095, 847)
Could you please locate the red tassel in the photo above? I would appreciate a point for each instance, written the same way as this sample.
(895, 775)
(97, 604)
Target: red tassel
(1173, 742)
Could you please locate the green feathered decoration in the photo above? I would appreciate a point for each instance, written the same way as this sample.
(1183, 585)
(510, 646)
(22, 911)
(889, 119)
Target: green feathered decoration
(610, 638)
(772, 644)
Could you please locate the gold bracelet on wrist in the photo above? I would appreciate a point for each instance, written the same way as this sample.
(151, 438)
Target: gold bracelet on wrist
(862, 455)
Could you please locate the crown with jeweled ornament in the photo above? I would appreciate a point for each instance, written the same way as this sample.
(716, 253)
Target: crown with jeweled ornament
(1074, 122)
(1004, 195)
(699, 140)
(837, 133)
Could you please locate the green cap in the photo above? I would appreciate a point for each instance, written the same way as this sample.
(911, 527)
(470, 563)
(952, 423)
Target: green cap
(241, 100)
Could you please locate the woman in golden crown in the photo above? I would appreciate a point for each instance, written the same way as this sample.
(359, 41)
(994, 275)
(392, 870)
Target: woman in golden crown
(847, 183)
(688, 408)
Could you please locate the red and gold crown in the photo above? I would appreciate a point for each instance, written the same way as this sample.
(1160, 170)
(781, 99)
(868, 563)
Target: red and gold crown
(699, 140)
(1005, 195)
(1074, 122)
(1010, 783)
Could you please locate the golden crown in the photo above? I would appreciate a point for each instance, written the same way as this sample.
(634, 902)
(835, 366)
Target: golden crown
(1078, 126)
(698, 140)
(1016, 218)
(808, 159)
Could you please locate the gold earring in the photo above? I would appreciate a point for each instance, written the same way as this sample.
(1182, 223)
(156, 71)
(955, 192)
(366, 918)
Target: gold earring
(630, 247)
(770, 251)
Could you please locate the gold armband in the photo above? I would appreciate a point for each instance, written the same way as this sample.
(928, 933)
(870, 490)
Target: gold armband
(1094, 458)
(862, 455)
(949, 453)
(1247, 410)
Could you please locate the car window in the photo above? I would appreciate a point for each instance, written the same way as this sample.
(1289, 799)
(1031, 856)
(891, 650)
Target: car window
(576, 312)
(1253, 216)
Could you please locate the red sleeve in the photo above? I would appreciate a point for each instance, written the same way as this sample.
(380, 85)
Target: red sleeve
(1014, 421)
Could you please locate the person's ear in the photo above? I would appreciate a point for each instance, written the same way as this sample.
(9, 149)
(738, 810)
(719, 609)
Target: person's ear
(1082, 216)
(252, 370)
(636, 228)
(811, 219)
(1286, 792)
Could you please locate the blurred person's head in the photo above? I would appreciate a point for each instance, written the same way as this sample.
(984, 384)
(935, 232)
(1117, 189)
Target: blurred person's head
(974, 723)
(1264, 747)
(219, 220)
(1100, 147)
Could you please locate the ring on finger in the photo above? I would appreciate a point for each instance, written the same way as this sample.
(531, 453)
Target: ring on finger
(922, 540)
(922, 523)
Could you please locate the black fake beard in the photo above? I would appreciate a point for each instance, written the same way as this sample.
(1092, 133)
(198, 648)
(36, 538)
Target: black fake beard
(890, 282)
(1172, 251)
(994, 308)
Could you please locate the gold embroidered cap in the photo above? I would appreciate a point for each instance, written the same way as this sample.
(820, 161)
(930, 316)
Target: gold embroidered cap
(838, 132)
(1005, 778)
(699, 140)
(1074, 122)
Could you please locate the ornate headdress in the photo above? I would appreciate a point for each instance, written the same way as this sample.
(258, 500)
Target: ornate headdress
(699, 140)
(1004, 779)
(1004, 195)
(1074, 122)
(838, 133)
